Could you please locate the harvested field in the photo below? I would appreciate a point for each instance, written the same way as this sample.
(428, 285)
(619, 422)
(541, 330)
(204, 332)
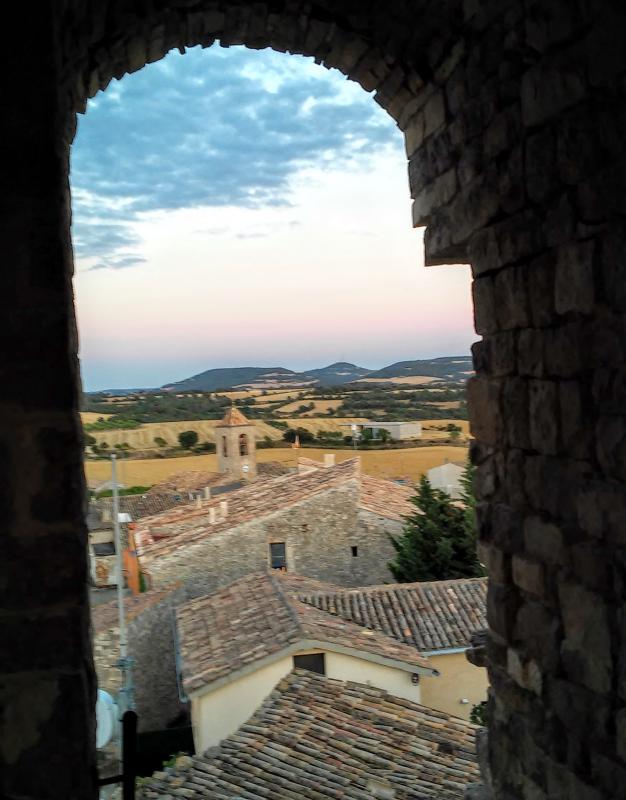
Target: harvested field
(321, 406)
(409, 380)
(143, 438)
(239, 395)
(409, 463)
(317, 424)
(88, 417)
(445, 403)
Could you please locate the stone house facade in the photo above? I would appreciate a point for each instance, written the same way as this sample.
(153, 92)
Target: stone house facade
(328, 523)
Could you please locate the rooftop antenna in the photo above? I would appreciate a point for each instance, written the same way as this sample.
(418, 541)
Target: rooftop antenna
(126, 700)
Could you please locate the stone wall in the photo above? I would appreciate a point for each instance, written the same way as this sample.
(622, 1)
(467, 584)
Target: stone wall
(151, 645)
(319, 533)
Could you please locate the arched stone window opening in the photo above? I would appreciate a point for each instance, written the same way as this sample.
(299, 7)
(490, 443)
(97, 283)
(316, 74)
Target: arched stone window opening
(224, 447)
(243, 444)
(497, 111)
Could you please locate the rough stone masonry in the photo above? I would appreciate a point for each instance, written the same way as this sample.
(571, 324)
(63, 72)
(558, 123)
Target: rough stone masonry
(514, 117)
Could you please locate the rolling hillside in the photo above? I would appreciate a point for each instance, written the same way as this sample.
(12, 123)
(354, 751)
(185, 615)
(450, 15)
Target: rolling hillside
(447, 368)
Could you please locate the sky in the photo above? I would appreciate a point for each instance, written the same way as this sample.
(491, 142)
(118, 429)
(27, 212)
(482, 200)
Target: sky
(234, 207)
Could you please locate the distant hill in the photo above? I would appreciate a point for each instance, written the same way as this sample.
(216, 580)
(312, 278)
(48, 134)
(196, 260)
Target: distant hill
(336, 374)
(229, 377)
(447, 368)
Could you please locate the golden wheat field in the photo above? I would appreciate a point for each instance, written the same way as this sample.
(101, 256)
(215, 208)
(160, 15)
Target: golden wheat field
(143, 438)
(329, 424)
(409, 380)
(320, 406)
(91, 416)
(409, 463)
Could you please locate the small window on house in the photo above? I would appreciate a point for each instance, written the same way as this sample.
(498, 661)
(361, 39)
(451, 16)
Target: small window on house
(355, 550)
(243, 444)
(278, 556)
(224, 446)
(313, 662)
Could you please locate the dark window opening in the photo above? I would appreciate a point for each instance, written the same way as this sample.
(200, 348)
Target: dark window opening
(104, 549)
(278, 556)
(313, 662)
(355, 550)
(243, 445)
(224, 446)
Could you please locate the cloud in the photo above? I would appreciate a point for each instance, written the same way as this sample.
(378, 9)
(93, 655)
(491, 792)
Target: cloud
(217, 127)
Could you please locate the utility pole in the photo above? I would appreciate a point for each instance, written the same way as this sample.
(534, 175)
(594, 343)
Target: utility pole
(126, 701)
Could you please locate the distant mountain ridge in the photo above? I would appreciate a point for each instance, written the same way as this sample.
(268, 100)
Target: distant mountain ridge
(445, 368)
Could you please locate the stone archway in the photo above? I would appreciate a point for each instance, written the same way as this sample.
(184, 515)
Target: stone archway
(514, 120)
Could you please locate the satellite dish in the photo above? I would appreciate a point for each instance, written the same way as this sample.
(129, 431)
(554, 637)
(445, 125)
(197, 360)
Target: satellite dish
(245, 468)
(106, 719)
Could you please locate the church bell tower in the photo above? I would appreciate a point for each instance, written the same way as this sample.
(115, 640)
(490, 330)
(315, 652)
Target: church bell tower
(236, 446)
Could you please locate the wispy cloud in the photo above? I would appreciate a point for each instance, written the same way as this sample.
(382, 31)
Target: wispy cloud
(219, 127)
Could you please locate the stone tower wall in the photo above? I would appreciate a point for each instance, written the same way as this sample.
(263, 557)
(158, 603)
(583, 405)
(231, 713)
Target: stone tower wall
(233, 462)
(513, 112)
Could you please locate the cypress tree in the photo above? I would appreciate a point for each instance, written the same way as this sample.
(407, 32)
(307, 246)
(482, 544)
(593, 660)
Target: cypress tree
(438, 541)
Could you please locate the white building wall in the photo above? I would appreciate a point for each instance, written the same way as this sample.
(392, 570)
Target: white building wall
(447, 477)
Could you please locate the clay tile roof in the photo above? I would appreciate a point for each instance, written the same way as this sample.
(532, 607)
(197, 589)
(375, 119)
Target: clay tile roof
(106, 616)
(386, 498)
(254, 618)
(162, 534)
(431, 615)
(233, 417)
(315, 738)
(383, 497)
(140, 505)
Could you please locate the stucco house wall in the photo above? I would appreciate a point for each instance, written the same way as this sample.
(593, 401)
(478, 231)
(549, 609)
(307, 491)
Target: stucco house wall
(458, 680)
(218, 713)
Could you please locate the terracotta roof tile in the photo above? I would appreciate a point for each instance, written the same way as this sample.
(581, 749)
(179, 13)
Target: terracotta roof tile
(429, 615)
(256, 617)
(233, 418)
(315, 738)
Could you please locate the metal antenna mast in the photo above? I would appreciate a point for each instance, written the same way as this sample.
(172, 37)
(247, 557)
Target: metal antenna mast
(126, 694)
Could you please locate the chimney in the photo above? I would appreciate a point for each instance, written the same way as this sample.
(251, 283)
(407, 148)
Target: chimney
(198, 501)
(207, 492)
(224, 508)
(212, 515)
(329, 459)
(106, 514)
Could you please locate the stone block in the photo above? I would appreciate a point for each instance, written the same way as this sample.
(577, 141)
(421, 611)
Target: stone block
(515, 412)
(574, 288)
(529, 575)
(543, 540)
(511, 298)
(544, 416)
(540, 168)
(483, 397)
(483, 293)
(530, 353)
(537, 631)
(586, 649)
(547, 90)
(434, 113)
(563, 350)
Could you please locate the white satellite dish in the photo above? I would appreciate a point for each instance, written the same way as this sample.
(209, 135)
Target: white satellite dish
(106, 719)
(245, 468)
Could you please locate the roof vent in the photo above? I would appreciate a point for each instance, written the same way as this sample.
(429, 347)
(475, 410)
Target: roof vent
(224, 508)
